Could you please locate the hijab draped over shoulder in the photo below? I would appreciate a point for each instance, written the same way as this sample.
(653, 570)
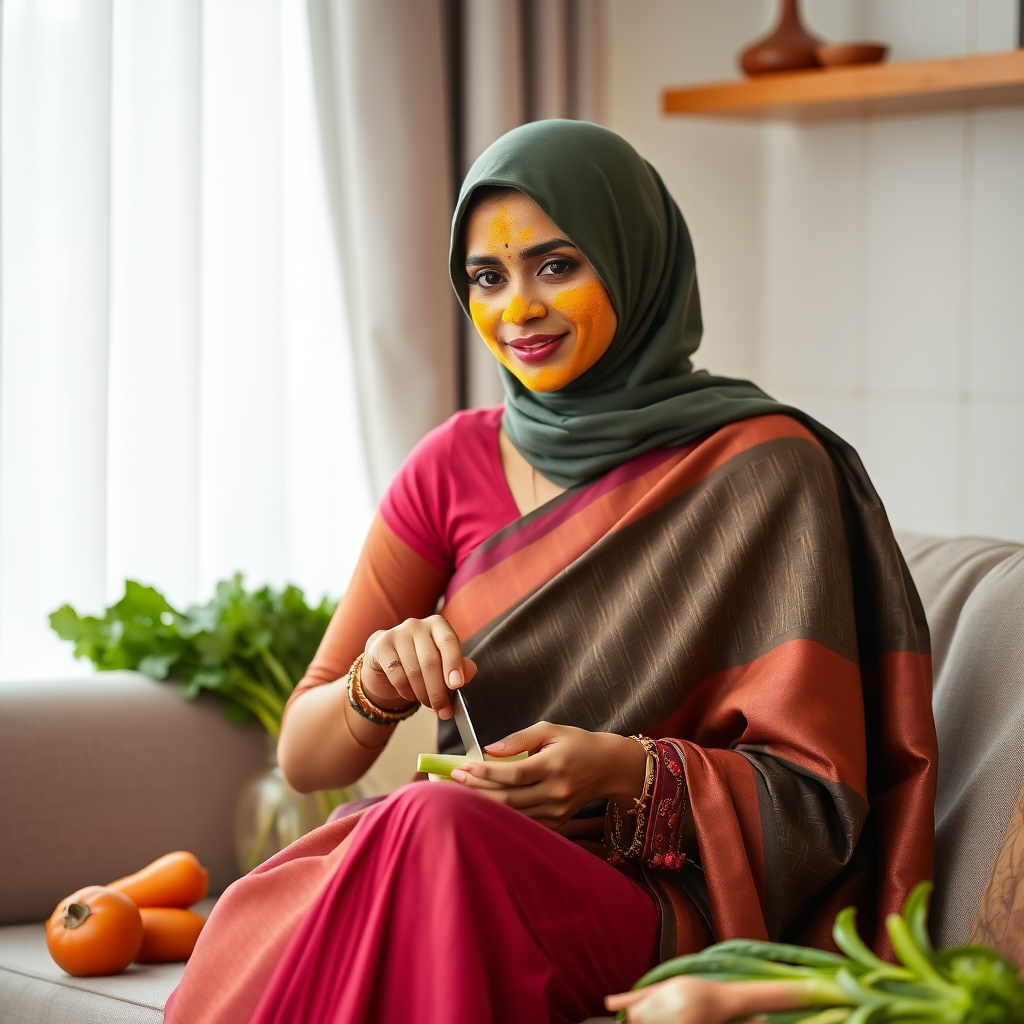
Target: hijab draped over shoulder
(643, 393)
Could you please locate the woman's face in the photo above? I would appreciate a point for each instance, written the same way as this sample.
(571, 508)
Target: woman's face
(534, 299)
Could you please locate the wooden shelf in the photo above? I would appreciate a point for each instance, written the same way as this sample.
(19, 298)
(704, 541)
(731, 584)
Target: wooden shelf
(988, 79)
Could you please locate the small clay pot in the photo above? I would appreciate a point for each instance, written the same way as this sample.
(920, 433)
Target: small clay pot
(789, 48)
(837, 55)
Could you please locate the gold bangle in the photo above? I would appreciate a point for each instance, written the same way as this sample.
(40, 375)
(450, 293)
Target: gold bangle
(365, 708)
(614, 822)
(355, 739)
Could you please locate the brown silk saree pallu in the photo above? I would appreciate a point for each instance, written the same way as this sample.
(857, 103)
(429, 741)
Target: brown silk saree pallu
(744, 597)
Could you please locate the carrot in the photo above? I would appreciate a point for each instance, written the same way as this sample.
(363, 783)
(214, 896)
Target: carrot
(168, 934)
(174, 880)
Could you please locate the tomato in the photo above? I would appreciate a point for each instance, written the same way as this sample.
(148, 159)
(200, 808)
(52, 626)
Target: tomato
(94, 931)
(168, 934)
(174, 880)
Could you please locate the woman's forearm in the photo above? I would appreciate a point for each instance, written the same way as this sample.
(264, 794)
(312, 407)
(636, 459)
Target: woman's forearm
(324, 744)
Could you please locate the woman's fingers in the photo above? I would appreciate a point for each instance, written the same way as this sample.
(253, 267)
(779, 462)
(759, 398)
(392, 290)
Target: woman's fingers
(507, 774)
(526, 739)
(446, 640)
(382, 658)
(421, 659)
(408, 654)
(525, 786)
(532, 802)
(430, 672)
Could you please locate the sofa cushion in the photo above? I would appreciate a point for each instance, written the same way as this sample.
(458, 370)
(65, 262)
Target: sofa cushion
(99, 776)
(946, 570)
(973, 593)
(34, 990)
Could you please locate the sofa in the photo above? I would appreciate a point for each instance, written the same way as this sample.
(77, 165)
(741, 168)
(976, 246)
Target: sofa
(99, 776)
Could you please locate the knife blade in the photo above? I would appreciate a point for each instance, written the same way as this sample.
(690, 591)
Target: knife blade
(465, 727)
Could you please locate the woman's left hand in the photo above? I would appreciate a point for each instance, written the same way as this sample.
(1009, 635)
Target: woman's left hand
(568, 768)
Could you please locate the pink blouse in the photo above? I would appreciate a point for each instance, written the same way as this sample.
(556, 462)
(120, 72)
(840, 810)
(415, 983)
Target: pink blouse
(451, 494)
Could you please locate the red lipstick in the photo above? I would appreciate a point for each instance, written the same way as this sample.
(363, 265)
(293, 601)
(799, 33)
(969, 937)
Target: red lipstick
(535, 348)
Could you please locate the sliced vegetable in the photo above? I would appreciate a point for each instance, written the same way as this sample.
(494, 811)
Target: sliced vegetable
(174, 880)
(442, 765)
(96, 930)
(964, 985)
(168, 934)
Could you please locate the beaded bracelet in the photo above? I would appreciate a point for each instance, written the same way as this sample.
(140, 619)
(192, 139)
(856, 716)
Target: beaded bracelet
(363, 706)
(614, 825)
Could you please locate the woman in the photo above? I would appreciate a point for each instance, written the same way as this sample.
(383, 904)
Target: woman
(682, 598)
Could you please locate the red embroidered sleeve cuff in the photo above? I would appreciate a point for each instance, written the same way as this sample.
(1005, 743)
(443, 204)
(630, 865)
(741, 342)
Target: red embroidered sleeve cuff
(663, 844)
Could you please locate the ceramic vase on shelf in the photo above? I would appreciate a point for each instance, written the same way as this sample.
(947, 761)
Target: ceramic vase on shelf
(270, 814)
(789, 48)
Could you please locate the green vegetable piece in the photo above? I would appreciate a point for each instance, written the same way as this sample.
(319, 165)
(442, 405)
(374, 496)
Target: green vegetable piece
(857, 993)
(844, 932)
(915, 913)
(737, 967)
(860, 1015)
(798, 1017)
(964, 985)
(913, 958)
(780, 952)
(835, 1015)
(993, 983)
(442, 765)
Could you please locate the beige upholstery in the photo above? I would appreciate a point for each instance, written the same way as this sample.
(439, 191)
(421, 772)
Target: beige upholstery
(973, 592)
(33, 989)
(100, 776)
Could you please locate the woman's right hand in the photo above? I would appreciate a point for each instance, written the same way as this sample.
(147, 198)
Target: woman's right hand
(421, 659)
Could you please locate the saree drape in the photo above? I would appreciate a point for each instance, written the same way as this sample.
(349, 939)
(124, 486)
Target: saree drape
(741, 597)
(744, 596)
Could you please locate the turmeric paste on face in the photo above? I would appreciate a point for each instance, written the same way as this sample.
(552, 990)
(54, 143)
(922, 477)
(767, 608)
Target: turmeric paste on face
(528, 301)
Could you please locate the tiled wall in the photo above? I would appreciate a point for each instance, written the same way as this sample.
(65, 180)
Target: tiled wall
(886, 293)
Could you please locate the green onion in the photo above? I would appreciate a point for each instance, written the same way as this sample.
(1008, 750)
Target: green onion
(964, 985)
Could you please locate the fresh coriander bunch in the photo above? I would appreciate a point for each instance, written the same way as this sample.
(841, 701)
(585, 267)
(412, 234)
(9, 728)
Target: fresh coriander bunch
(249, 648)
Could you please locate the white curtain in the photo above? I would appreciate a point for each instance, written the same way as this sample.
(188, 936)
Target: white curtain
(176, 396)
(409, 94)
(521, 60)
(380, 68)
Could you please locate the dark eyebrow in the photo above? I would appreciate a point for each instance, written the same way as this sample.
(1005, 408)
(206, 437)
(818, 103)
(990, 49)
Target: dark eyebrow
(524, 254)
(543, 247)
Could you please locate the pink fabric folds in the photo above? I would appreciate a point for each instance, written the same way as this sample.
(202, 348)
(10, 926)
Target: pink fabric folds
(450, 494)
(250, 927)
(452, 909)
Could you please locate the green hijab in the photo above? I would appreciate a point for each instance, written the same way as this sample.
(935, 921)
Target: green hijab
(643, 393)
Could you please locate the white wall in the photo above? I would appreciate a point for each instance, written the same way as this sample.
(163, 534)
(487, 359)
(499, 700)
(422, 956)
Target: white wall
(714, 170)
(869, 271)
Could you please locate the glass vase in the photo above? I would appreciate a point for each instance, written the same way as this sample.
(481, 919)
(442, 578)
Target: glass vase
(270, 814)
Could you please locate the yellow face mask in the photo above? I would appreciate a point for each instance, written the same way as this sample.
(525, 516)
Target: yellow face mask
(535, 300)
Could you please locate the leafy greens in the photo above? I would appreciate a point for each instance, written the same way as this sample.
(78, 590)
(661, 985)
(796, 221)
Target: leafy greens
(248, 648)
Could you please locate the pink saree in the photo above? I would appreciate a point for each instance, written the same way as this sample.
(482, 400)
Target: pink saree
(742, 601)
(442, 907)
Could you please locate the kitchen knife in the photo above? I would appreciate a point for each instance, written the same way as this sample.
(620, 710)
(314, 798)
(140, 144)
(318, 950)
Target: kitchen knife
(465, 726)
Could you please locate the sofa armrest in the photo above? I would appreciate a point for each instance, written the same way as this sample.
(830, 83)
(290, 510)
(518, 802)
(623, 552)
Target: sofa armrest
(99, 776)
